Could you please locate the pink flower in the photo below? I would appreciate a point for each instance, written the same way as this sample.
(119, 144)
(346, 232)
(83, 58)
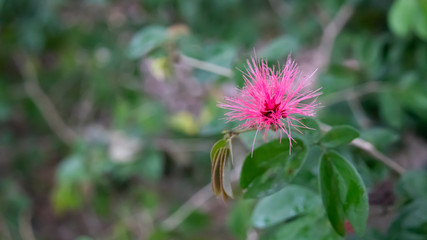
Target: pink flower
(272, 98)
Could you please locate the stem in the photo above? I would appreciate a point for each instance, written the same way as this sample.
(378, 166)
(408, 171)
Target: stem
(371, 150)
(233, 133)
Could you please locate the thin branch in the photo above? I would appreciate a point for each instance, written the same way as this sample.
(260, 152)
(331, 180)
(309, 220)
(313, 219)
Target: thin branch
(348, 94)
(371, 150)
(196, 201)
(359, 113)
(43, 102)
(25, 228)
(330, 33)
(210, 67)
(4, 230)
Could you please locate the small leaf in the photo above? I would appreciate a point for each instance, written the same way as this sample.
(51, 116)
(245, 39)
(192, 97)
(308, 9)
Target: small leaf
(146, 40)
(216, 171)
(220, 181)
(219, 144)
(287, 203)
(272, 167)
(343, 193)
(338, 136)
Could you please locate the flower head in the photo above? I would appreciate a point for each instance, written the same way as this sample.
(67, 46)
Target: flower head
(272, 98)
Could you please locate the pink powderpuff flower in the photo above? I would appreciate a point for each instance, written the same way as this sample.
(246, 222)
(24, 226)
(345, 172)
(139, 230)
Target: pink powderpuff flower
(272, 99)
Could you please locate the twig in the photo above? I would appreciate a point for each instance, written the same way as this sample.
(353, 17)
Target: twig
(4, 230)
(196, 201)
(371, 150)
(210, 67)
(25, 227)
(359, 114)
(43, 102)
(329, 35)
(354, 92)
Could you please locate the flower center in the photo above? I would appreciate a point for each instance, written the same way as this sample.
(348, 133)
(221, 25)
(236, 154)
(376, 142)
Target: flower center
(272, 111)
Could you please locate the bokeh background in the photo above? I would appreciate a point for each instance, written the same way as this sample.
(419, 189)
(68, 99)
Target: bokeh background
(108, 108)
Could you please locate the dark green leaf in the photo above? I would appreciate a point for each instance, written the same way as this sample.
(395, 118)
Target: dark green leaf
(272, 167)
(287, 203)
(338, 136)
(307, 227)
(412, 184)
(343, 193)
(310, 130)
(410, 223)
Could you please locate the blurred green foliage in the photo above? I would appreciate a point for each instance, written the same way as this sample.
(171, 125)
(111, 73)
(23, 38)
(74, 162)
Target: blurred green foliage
(145, 119)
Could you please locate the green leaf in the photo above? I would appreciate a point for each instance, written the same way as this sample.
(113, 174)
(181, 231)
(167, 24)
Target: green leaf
(421, 20)
(146, 40)
(411, 222)
(307, 227)
(338, 136)
(287, 203)
(311, 134)
(279, 48)
(219, 144)
(153, 165)
(380, 137)
(412, 184)
(401, 17)
(343, 193)
(239, 219)
(390, 109)
(272, 167)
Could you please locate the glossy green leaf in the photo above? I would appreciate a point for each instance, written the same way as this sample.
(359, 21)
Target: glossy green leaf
(343, 193)
(307, 227)
(146, 40)
(287, 203)
(338, 136)
(272, 167)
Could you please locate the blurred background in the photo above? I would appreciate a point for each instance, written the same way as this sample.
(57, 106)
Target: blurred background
(108, 108)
